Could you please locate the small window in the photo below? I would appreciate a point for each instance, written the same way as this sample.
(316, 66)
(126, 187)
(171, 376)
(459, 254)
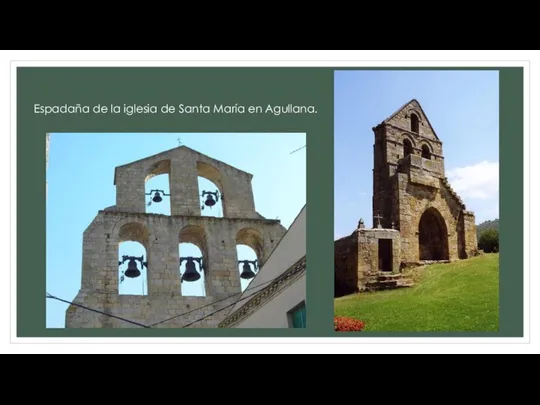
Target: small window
(407, 148)
(297, 317)
(414, 123)
(426, 154)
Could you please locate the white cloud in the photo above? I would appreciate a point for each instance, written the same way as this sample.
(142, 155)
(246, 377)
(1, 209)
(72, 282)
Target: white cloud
(476, 182)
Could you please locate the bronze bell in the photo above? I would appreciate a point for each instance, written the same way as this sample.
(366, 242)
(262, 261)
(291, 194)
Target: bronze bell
(191, 274)
(210, 202)
(247, 273)
(132, 270)
(157, 197)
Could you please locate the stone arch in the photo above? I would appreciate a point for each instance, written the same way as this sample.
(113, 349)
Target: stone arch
(408, 148)
(410, 138)
(426, 150)
(132, 230)
(137, 232)
(196, 236)
(214, 175)
(433, 236)
(413, 110)
(249, 246)
(415, 122)
(163, 167)
(253, 238)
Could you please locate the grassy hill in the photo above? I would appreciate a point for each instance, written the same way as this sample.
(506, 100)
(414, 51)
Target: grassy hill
(457, 297)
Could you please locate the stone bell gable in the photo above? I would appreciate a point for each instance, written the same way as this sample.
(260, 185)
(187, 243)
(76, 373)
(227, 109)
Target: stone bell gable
(417, 216)
(184, 165)
(410, 189)
(160, 236)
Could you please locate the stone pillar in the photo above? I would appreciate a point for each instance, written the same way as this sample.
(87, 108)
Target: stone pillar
(163, 261)
(223, 277)
(130, 190)
(184, 187)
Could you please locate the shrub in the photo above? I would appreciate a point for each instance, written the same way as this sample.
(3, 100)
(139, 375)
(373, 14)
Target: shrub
(343, 324)
(489, 240)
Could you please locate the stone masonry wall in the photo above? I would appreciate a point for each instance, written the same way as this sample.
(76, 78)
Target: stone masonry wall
(183, 166)
(471, 240)
(398, 128)
(382, 193)
(346, 265)
(368, 251)
(161, 235)
(357, 255)
(414, 200)
(145, 311)
(420, 184)
(389, 154)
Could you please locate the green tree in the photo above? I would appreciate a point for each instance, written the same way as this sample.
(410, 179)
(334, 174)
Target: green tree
(489, 240)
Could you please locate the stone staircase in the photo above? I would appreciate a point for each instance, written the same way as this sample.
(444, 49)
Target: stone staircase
(381, 281)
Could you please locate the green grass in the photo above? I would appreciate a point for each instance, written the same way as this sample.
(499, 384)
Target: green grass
(455, 297)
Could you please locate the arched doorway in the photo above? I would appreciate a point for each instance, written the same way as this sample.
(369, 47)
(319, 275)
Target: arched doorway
(433, 236)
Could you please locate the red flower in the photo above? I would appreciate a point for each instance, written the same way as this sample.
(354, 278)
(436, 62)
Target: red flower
(344, 324)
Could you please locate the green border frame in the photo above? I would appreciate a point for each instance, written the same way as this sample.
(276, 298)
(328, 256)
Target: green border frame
(229, 85)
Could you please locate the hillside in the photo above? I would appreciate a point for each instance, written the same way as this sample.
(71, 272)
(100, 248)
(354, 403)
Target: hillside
(487, 225)
(459, 297)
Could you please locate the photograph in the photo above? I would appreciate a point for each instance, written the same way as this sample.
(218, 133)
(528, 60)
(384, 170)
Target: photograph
(416, 200)
(175, 230)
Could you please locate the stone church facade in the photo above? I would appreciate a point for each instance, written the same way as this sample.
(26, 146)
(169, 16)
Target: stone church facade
(418, 217)
(217, 238)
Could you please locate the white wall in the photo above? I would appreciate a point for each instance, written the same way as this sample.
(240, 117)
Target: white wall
(290, 249)
(274, 313)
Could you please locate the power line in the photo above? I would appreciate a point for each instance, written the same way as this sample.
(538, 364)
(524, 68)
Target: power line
(224, 308)
(234, 303)
(212, 303)
(49, 296)
(294, 151)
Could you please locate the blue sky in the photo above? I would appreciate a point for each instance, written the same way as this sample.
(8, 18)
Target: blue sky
(463, 108)
(80, 183)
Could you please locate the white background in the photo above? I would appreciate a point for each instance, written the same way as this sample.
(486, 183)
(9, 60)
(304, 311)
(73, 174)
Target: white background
(8, 61)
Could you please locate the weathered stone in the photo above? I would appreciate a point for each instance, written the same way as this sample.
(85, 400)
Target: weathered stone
(411, 195)
(161, 235)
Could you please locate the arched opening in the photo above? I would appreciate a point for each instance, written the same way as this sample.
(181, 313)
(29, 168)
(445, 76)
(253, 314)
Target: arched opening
(426, 153)
(433, 236)
(407, 147)
(193, 265)
(157, 189)
(249, 247)
(210, 191)
(249, 268)
(133, 260)
(414, 123)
